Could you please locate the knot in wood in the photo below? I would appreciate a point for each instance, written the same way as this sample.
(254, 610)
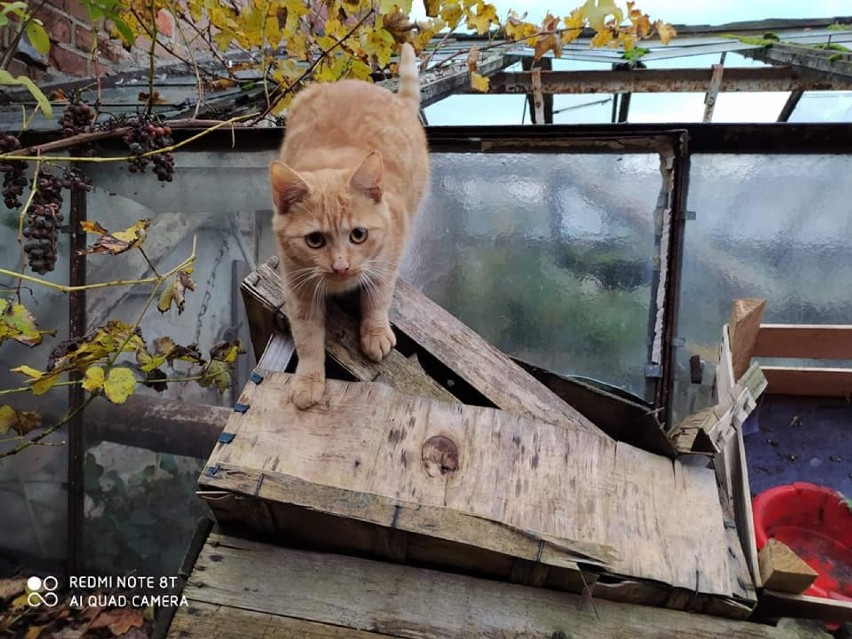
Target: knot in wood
(440, 456)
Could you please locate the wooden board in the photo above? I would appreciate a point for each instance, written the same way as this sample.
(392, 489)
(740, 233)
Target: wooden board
(247, 589)
(819, 382)
(783, 570)
(499, 379)
(805, 341)
(743, 328)
(480, 477)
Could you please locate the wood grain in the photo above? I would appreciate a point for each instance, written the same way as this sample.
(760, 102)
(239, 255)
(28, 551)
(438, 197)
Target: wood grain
(278, 589)
(743, 327)
(521, 487)
(818, 382)
(491, 372)
(783, 570)
(805, 341)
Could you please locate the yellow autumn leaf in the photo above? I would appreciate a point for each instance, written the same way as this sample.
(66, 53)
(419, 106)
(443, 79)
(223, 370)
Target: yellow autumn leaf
(386, 6)
(483, 18)
(574, 24)
(297, 46)
(479, 82)
(431, 7)
(602, 38)
(518, 29)
(451, 13)
(21, 421)
(119, 385)
(597, 13)
(666, 31)
(118, 242)
(93, 380)
(39, 382)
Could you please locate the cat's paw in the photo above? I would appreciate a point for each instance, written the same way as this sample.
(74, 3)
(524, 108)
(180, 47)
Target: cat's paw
(377, 340)
(307, 391)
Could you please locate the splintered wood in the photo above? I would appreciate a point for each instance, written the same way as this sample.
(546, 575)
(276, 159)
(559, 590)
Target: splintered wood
(417, 471)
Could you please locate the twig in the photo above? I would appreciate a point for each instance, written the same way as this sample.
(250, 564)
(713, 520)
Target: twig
(310, 69)
(21, 216)
(22, 389)
(87, 287)
(153, 268)
(48, 431)
(100, 160)
(199, 82)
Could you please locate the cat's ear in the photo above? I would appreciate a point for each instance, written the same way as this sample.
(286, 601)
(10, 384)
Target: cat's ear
(288, 187)
(367, 178)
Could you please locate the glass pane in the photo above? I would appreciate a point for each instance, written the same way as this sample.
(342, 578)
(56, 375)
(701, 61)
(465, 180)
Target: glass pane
(32, 492)
(549, 257)
(776, 227)
(824, 106)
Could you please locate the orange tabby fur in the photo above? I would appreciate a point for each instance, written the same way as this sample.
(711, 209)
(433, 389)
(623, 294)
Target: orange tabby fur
(354, 158)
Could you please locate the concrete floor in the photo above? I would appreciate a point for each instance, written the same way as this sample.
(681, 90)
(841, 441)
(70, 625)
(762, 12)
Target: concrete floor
(800, 439)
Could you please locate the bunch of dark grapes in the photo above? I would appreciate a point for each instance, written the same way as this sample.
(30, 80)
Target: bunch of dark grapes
(75, 179)
(77, 118)
(144, 136)
(14, 178)
(43, 217)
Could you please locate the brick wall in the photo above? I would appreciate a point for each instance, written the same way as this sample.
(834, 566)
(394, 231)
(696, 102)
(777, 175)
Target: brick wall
(72, 39)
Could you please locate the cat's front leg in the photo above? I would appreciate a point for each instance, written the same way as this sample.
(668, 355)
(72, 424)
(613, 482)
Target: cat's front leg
(307, 324)
(377, 338)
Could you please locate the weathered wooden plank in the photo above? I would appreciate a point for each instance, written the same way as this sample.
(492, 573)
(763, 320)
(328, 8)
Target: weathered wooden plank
(235, 575)
(775, 604)
(267, 313)
(743, 327)
(805, 341)
(476, 361)
(820, 382)
(481, 477)
(208, 621)
(783, 570)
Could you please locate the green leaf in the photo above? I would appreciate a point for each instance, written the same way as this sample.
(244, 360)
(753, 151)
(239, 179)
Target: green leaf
(18, 8)
(7, 79)
(18, 324)
(93, 380)
(126, 32)
(216, 373)
(38, 37)
(119, 385)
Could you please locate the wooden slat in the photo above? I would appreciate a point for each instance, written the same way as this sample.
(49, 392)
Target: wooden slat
(775, 604)
(262, 295)
(281, 588)
(782, 569)
(743, 327)
(476, 361)
(821, 382)
(804, 341)
(522, 488)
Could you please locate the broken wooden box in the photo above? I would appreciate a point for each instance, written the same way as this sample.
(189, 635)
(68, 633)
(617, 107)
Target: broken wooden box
(521, 487)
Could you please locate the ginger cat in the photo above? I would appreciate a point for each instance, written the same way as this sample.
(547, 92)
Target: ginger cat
(354, 169)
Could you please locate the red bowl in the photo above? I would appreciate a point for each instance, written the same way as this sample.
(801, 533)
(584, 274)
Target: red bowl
(815, 522)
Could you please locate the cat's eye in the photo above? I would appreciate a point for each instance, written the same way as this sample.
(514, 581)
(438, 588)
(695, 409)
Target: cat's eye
(315, 239)
(358, 235)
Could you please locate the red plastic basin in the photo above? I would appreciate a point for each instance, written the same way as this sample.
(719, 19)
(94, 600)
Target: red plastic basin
(816, 524)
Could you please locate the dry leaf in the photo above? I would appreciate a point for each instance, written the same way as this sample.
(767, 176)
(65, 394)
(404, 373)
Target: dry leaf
(58, 95)
(479, 82)
(158, 99)
(220, 84)
(118, 242)
(21, 421)
(13, 585)
(17, 323)
(473, 59)
(666, 31)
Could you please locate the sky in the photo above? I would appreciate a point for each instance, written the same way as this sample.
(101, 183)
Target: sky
(730, 107)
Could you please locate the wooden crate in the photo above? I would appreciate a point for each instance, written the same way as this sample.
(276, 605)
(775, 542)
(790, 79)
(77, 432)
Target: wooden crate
(241, 588)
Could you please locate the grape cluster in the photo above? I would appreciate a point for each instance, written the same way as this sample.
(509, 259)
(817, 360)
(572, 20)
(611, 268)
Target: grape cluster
(43, 217)
(75, 179)
(144, 136)
(77, 118)
(14, 179)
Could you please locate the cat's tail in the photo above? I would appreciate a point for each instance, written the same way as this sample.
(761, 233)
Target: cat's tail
(409, 78)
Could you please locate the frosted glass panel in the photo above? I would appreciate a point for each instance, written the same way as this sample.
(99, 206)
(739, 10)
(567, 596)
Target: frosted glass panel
(778, 227)
(549, 257)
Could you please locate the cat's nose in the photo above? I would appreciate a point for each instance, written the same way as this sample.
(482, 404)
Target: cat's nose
(340, 266)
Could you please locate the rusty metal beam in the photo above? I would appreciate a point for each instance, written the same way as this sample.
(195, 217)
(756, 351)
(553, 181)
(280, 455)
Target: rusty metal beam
(790, 106)
(670, 81)
(827, 64)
